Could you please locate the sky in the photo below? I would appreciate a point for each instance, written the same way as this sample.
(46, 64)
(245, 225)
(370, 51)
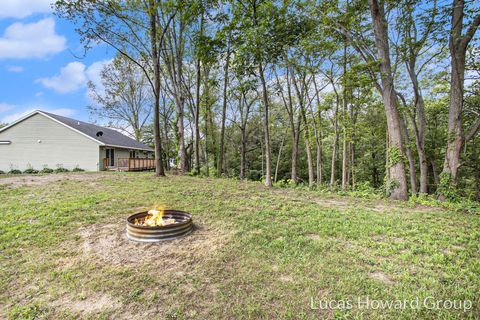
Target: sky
(43, 65)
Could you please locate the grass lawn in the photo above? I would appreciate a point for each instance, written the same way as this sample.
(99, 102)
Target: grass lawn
(255, 253)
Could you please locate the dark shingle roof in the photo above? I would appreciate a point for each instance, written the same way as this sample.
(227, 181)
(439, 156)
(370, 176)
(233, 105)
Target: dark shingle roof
(109, 137)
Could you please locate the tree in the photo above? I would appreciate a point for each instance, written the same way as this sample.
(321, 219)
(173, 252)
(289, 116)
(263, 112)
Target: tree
(456, 139)
(294, 117)
(121, 25)
(420, 45)
(258, 42)
(124, 97)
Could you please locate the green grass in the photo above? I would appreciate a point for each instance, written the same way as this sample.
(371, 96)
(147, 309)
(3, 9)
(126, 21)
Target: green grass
(256, 253)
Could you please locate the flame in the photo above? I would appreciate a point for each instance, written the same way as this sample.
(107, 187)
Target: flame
(155, 218)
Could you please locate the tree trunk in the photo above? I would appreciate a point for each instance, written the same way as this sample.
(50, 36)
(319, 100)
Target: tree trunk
(301, 91)
(294, 129)
(318, 134)
(455, 139)
(353, 118)
(399, 190)
(221, 155)
(167, 141)
(213, 136)
(159, 171)
(207, 92)
(266, 127)
(419, 129)
(278, 158)
(345, 157)
(181, 134)
(243, 151)
(197, 108)
(311, 175)
(436, 177)
(295, 141)
(411, 162)
(335, 142)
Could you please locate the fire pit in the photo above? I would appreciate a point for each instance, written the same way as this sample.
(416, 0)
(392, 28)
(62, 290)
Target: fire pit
(154, 226)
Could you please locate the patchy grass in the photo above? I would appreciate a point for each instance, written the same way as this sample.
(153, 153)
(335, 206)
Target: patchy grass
(255, 253)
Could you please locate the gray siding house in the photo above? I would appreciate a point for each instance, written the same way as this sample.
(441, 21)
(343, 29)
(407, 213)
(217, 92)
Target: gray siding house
(42, 139)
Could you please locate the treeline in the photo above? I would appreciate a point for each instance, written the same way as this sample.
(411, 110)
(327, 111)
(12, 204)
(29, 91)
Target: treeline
(338, 93)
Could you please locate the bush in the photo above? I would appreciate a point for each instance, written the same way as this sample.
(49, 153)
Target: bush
(14, 171)
(366, 191)
(458, 205)
(254, 175)
(77, 169)
(46, 170)
(2, 172)
(30, 171)
(61, 169)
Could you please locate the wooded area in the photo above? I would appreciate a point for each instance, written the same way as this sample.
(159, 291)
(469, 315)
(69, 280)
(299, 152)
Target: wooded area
(346, 94)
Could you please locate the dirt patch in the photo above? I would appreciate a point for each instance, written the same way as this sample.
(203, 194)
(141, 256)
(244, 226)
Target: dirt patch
(286, 279)
(380, 276)
(313, 236)
(453, 249)
(21, 181)
(91, 305)
(109, 243)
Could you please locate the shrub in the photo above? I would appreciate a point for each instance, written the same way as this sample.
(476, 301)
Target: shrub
(458, 205)
(46, 170)
(61, 169)
(2, 172)
(366, 190)
(77, 169)
(14, 171)
(254, 175)
(30, 171)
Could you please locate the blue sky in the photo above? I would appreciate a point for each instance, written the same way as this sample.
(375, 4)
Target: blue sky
(42, 62)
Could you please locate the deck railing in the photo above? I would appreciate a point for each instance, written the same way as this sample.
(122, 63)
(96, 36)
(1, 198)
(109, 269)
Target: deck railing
(131, 164)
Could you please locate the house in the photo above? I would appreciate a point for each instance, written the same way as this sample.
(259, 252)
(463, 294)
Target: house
(41, 139)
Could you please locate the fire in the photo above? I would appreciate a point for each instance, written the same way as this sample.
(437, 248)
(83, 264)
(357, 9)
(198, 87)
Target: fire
(155, 218)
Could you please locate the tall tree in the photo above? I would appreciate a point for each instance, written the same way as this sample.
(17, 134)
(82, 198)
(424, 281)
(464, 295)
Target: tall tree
(458, 45)
(396, 165)
(221, 154)
(122, 27)
(123, 97)
(294, 117)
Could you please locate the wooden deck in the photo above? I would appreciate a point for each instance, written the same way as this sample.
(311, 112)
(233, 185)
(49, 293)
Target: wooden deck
(130, 164)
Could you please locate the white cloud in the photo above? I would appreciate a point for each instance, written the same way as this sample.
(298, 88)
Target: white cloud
(15, 116)
(15, 69)
(74, 76)
(94, 74)
(71, 78)
(94, 70)
(31, 40)
(23, 8)
(5, 107)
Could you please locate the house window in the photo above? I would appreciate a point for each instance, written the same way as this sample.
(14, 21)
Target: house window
(110, 153)
(133, 154)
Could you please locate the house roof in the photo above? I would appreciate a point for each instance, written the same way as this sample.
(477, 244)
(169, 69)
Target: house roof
(102, 135)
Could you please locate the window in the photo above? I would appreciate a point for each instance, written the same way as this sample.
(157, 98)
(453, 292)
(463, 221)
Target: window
(110, 153)
(3, 142)
(133, 154)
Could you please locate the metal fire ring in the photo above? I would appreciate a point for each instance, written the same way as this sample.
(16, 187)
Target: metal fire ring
(141, 233)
